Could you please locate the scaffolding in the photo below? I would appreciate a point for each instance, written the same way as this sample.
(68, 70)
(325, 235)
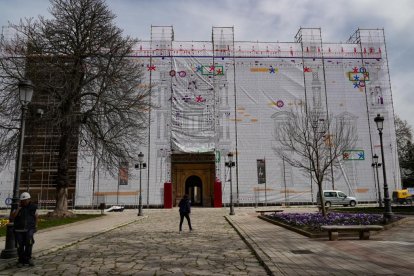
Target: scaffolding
(223, 95)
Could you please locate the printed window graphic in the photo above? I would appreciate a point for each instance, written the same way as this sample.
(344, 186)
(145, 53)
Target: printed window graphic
(354, 155)
(211, 70)
(376, 96)
(358, 76)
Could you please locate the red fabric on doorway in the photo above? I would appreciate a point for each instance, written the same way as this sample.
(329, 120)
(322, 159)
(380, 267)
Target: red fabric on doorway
(168, 202)
(218, 202)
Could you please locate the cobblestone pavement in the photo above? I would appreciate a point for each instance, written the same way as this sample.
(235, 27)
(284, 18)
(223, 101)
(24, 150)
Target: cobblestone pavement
(153, 246)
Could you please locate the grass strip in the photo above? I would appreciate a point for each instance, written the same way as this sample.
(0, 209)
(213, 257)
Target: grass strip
(46, 222)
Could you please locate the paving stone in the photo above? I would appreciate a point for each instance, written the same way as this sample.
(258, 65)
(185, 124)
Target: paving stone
(344, 257)
(153, 246)
(157, 249)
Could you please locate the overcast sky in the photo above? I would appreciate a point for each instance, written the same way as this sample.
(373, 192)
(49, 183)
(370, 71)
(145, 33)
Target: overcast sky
(267, 20)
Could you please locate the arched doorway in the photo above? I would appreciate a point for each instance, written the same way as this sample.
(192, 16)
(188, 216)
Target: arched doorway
(193, 174)
(193, 187)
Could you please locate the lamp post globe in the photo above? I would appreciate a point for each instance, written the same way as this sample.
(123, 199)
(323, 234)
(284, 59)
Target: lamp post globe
(230, 156)
(25, 91)
(25, 97)
(379, 120)
(375, 158)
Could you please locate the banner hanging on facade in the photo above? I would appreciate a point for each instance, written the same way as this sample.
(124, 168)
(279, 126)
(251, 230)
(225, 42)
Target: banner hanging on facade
(123, 173)
(261, 171)
(192, 110)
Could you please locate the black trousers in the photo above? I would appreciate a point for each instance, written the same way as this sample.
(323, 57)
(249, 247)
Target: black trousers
(24, 244)
(187, 216)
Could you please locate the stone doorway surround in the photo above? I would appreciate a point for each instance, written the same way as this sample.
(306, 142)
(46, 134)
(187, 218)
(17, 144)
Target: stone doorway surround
(186, 165)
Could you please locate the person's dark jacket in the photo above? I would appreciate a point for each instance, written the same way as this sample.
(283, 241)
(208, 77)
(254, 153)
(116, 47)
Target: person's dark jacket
(185, 206)
(25, 218)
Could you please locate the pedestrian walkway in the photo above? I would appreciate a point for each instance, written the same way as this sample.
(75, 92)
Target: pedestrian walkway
(53, 239)
(153, 246)
(124, 244)
(287, 253)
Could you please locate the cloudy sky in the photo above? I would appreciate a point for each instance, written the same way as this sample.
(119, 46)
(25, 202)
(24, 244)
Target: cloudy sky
(267, 20)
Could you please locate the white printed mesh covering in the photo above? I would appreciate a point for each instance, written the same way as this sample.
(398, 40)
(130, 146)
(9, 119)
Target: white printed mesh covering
(223, 95)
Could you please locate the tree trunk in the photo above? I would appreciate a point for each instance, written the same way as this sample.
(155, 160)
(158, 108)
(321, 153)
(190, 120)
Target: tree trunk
(322, 198)
(61, 208)
(319, 180)
(61, 199)
(62, 179)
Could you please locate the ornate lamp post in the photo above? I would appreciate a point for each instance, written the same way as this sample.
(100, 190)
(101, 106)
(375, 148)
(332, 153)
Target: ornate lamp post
(375, 164)
(379, 120)
(25, 94)
(141, 165)
(230, 164)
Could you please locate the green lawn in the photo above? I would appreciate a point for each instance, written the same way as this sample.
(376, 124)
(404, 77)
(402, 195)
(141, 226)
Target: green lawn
(45, 222)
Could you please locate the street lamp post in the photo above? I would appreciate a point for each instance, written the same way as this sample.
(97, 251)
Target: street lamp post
(141, 165)
(379, 120)
(376, 165)
(25, 94)
(230, 164)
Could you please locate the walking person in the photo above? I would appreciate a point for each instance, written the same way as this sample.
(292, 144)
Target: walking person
(25, 219)
(185, 210)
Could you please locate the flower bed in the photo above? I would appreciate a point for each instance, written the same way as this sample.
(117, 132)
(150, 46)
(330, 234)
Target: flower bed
(3, 221)
(313, 221)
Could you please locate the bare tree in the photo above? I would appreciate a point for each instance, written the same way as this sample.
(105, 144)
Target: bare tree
(90, 89)
(312, 141)
(403, 133)
(405, 147)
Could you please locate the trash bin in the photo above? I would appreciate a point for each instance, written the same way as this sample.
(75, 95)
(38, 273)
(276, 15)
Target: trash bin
(102, 207)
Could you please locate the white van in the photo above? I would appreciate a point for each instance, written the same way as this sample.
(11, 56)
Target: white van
(333, 197)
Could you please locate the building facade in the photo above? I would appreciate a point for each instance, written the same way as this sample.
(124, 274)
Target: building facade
(220, 96)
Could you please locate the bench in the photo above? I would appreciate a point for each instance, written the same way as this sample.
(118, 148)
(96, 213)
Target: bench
(364, 230)
(262, 212)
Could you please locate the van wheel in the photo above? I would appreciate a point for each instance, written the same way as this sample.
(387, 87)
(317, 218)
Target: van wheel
(328, 204)
(352, 203)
